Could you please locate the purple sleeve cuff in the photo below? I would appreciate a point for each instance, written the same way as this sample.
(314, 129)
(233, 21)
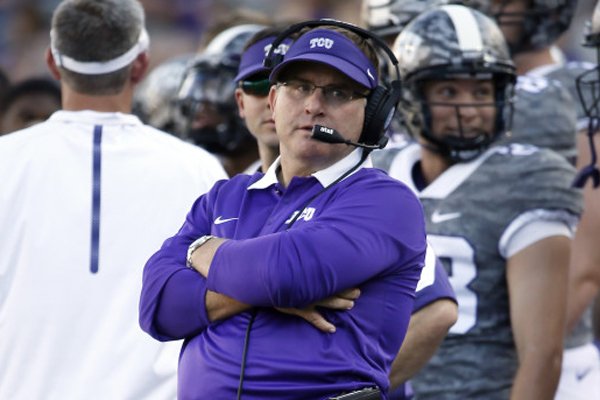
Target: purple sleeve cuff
(439, 289)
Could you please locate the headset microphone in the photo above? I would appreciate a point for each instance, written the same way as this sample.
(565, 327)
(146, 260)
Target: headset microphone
(330, 135)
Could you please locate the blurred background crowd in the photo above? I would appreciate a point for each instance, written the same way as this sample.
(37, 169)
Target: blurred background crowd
(175, 27)
(181, 26)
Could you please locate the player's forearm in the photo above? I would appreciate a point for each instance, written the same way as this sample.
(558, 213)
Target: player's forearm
(584, 268)
(426, 330)
(581, 297)
(537, 377)
(537, 277)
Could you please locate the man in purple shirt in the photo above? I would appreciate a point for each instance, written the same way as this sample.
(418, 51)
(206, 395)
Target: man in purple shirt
(258, 251)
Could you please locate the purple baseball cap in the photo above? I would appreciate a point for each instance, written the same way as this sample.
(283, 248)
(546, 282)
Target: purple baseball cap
(252, 59)
(333, 49)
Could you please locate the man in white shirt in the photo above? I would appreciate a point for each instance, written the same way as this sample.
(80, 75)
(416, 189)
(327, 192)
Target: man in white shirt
(86, 197)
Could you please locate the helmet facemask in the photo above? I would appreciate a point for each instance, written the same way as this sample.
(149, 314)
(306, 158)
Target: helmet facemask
(207, 108)
(463, 146)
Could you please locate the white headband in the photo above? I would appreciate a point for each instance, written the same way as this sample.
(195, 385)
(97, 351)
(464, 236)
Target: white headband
(100, 67)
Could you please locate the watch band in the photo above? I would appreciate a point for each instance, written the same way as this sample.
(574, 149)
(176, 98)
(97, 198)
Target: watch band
(195, 244)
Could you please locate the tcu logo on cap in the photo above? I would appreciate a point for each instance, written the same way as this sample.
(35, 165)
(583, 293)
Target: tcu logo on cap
(321, 42)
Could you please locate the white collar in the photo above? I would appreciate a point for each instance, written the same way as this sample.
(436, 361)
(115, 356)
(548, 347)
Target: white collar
(325, 176)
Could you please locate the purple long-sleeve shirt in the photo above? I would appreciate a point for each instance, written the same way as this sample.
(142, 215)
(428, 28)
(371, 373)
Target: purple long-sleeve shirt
(367, 231)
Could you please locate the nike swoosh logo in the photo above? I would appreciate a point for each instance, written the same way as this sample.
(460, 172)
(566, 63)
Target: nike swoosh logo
(370, 75)
(220, 220)
(438, 217)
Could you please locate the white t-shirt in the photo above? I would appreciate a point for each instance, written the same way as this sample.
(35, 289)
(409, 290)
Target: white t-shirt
(77, 184)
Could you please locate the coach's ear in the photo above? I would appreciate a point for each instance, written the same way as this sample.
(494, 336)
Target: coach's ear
(139, 67)
(272, 99)
(52, 64)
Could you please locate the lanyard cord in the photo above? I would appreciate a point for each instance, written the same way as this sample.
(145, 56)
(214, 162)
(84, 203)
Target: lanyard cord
(254, 311)
(245, 353)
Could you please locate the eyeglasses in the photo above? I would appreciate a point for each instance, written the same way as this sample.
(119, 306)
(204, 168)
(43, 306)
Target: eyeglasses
(334, 96)
(256, 88)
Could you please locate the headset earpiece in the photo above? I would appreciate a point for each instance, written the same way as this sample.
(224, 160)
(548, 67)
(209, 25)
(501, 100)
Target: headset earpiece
(372, 120)
(380, 109)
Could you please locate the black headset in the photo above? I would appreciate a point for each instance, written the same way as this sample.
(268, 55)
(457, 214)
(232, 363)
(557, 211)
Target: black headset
(381, 102)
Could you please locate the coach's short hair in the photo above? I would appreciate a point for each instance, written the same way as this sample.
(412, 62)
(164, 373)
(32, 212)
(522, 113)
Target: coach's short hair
(96, 30)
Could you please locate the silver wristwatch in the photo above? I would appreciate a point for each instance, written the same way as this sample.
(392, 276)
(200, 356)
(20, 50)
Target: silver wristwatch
(195, 244)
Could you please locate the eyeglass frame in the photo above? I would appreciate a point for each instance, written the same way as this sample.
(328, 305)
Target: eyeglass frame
(326, 91)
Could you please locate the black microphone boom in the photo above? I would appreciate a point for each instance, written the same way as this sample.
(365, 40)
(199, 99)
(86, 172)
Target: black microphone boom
(330, 135)
(327, 135)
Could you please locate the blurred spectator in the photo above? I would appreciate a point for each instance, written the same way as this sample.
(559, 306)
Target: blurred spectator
(28, 102)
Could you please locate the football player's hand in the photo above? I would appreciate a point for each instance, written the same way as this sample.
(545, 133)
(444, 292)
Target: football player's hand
(340, 301)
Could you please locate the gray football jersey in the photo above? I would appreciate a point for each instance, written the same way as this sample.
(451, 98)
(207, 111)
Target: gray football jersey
(567, 75)
(468, 209)
(544, 116)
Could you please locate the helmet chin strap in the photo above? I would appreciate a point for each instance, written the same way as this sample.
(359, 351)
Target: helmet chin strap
(454, 148)
(443, 152)
(451, 154)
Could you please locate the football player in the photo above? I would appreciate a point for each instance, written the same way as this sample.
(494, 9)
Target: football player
(531, 29)
(207, 105)
(500, 216)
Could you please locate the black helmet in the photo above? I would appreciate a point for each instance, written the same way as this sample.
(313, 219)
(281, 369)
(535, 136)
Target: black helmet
(206, 98)
(389, 17)
(543, 21)
(154, 100)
